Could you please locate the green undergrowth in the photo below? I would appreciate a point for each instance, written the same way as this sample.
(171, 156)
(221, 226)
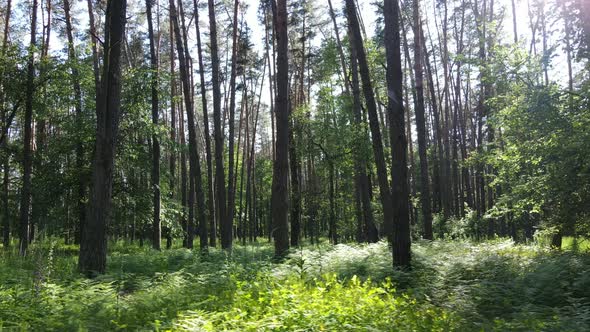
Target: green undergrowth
(453, 286)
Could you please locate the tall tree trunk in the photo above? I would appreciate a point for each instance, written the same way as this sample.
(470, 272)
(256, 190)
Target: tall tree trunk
(457, 129)
(156, 224)
(225, 224)
(251, 185)
(332, 231)
(4, 144)
(187, 92)
(27, 153)
(545, 59)
(340, 49)
(94, 46)
(420, 125)
(370, 230)
(211, 197)
(270, 82)
(448, 188)
(514, 26)
(183, 177)
(81, 207)
(395, 108)
(294, 165)
(6, 212)
(280, 198)
(173, 121)
(195, 180)
(568, 47)
(439, 179)
(231, 191)
(93, 246)
(384, 188)
(481, 108)
(243, 120)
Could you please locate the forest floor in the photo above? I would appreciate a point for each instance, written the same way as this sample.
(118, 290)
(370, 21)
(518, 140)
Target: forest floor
(454, 286)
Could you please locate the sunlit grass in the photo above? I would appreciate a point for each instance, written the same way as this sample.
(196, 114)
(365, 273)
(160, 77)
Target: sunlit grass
(458, 286)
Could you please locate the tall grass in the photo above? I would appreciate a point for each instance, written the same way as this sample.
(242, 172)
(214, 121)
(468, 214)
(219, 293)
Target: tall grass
(458, 286)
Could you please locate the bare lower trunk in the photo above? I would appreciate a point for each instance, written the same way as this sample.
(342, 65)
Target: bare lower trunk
(207, 134)
(93, 246)
(280, 198)
(27, 153)
(156, 225)
(401, 230)
(231, 192)
(367, 86)
(225, 224)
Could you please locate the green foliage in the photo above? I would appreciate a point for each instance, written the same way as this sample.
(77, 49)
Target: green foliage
(454, 286)
(543, 170)
(326, 304)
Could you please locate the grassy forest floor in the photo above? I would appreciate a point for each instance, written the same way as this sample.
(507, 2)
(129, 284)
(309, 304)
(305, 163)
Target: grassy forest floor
(459, 286)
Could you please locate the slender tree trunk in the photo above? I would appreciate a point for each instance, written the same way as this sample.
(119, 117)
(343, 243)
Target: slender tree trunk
(439, 180)
(251, 182)
(270, 87)
(5, 124)
(420, 125)
(81, 207)
(280, 198)
(384, 188)
(183, 177)
(481, 111)
(340, 49)
(173, 121)
(244, 117)
(395, 108)
(211, 197)
(94, 46)
(6, 212)
(156, 225)
(225, 224)
(448, 188)
(370, 230)
(545, 58)
(584, 16)
(457, 139)
(93, 246)
(195, 180)
(333, 232)
(231, 191)
(514, 26)
(568, 48)
(27, 153)
(294, 165)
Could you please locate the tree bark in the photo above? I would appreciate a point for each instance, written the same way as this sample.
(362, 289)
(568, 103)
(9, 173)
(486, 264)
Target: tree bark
(384, 188)
(514, 26)
(370, 230)
(280, 198)
(93, 246)
(81, 207)
(395, 108)
(195, 180)
(27, 153)
(156, 224)
(4, 143)
(225, 224)
(211, 197)
(231, 191)
(294, 165)
(420, 125)
(94, 46)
